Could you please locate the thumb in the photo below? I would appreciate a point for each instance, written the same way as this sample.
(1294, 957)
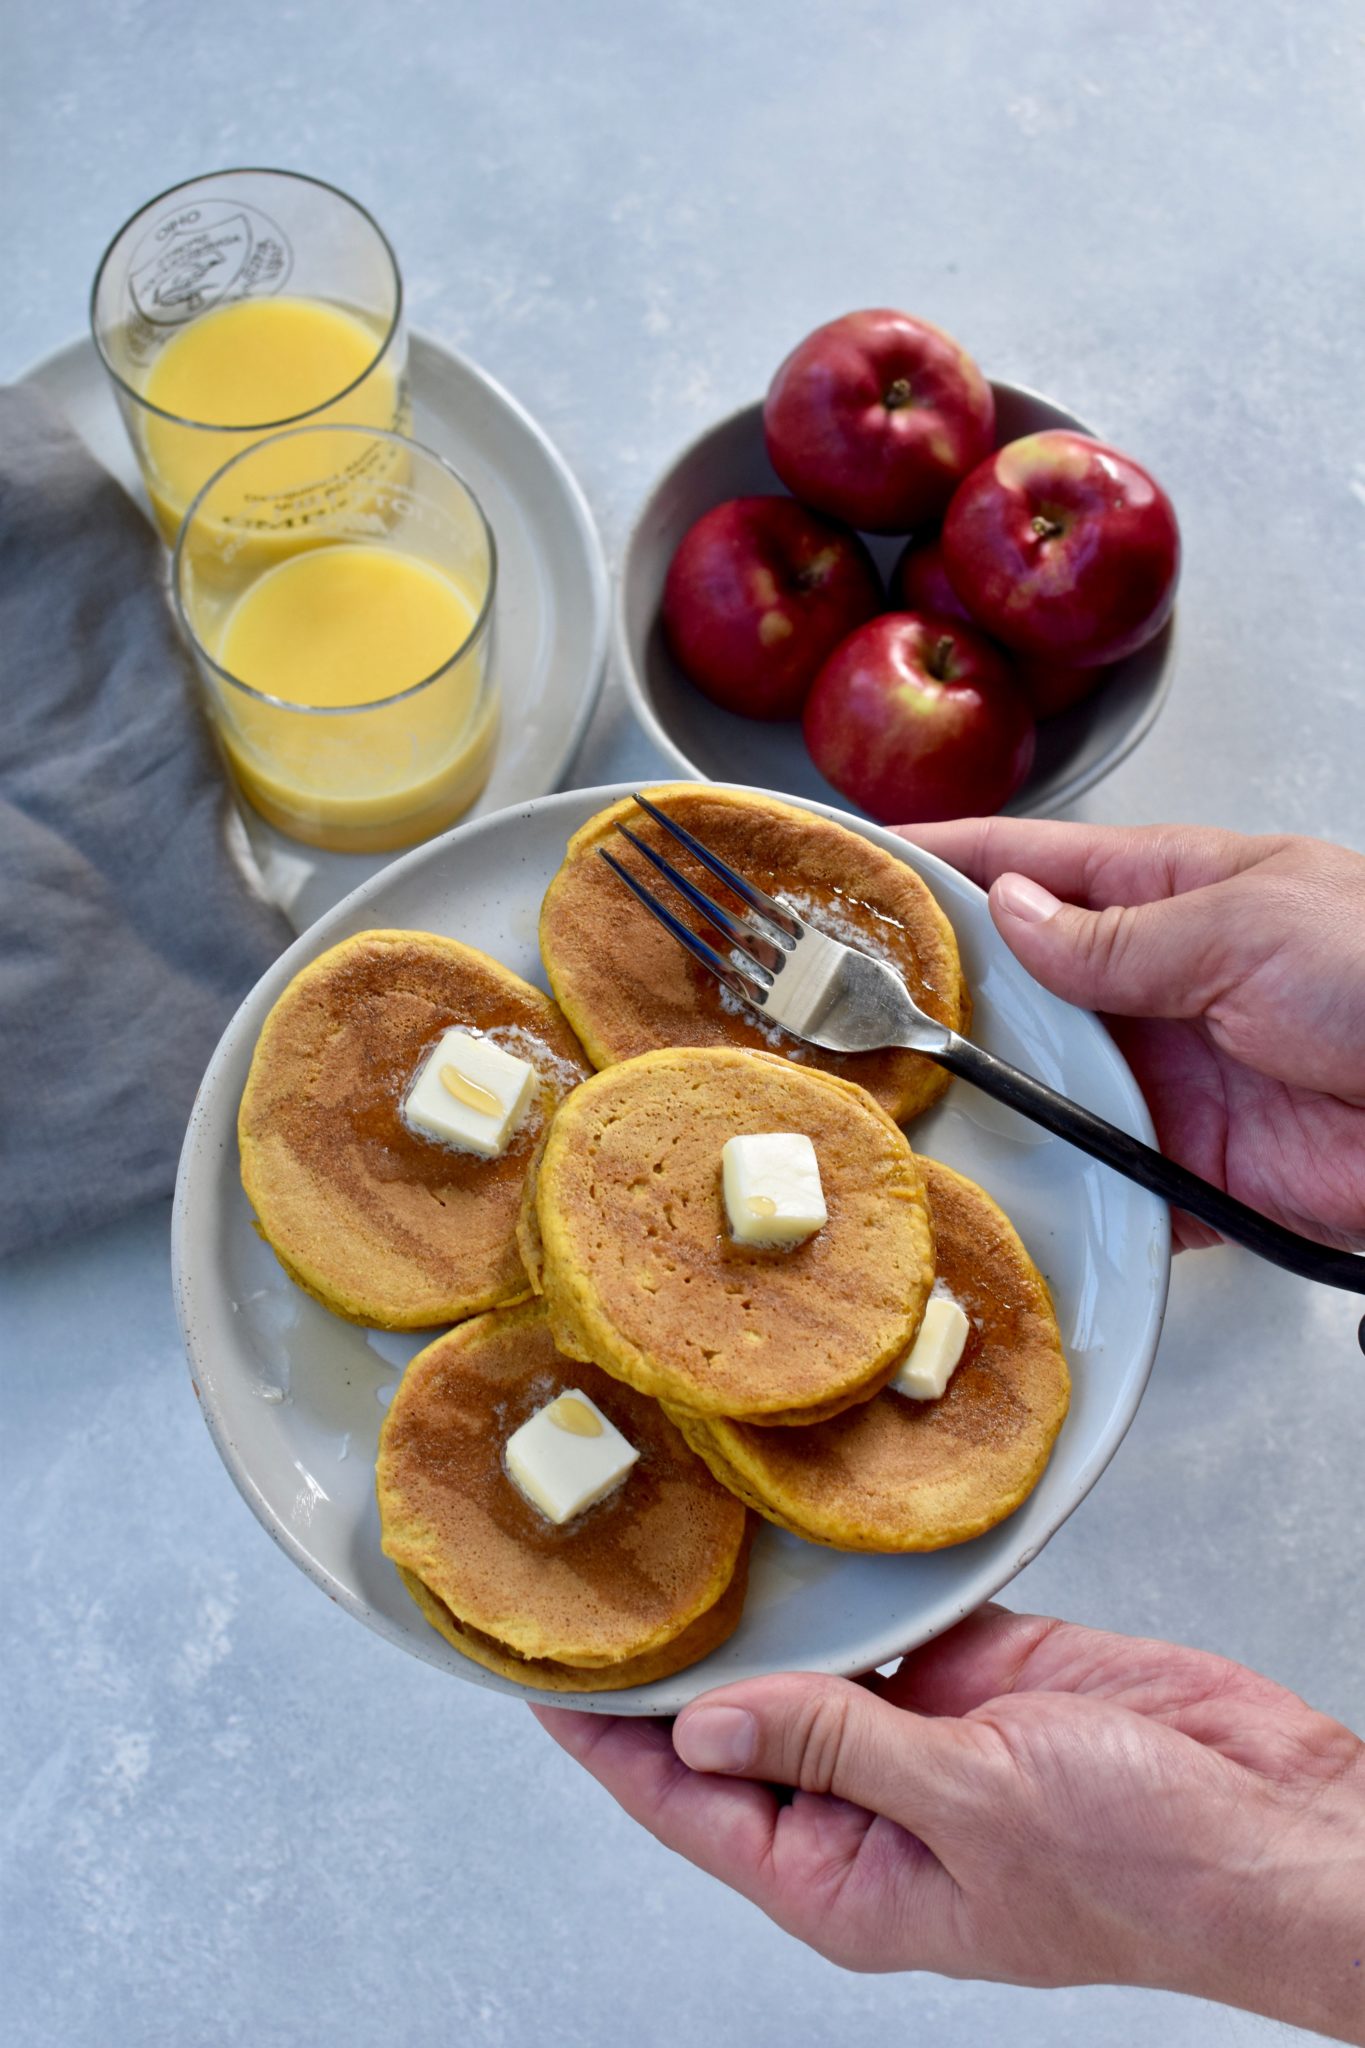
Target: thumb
(830, 1735)
(1162, 959)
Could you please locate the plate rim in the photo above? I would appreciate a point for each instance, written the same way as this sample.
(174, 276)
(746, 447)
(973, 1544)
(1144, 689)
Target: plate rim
(199, 1140)
(1052, 800)
(597, 589)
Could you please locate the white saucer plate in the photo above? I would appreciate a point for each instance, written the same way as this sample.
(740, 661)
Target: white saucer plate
(552, 608)
(294, 1397)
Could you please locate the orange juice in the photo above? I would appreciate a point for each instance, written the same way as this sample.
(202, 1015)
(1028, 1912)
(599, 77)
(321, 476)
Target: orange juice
(252, 364)
(350, 627)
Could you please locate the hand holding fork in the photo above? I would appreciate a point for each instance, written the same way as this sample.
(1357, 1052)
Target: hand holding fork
(1259, 960)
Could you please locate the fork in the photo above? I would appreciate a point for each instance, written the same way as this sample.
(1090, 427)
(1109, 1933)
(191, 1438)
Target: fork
(835, 996)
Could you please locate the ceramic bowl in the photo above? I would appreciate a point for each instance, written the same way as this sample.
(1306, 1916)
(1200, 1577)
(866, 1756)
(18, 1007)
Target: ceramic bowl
(698, 738)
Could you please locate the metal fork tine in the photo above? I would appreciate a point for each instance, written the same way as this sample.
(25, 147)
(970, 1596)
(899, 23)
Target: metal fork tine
(724, 970)
(785, 920)
(735, 929)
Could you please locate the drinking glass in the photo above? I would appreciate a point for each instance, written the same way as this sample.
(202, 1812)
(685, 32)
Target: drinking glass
(240, 303)
(301, 577)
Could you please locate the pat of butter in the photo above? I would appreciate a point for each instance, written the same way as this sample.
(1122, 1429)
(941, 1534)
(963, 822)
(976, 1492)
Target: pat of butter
(772, 1188)
(932, 1359)
(470, 1093)
(567, 1456)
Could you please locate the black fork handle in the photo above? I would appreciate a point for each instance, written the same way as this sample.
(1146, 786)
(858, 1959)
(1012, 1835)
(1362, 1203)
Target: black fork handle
(1152, 1170)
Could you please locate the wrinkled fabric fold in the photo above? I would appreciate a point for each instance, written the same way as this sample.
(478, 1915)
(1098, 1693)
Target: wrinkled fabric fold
(127, 933)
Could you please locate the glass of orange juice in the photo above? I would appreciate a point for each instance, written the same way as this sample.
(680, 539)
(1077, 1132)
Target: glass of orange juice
(240, 303)
(336, 585)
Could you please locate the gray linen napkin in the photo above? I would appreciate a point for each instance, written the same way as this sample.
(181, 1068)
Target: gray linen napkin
(127, 934)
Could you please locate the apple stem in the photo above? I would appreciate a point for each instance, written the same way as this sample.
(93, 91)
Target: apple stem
(816, 571)
(940, 662)
(897, 394)
(1045, 528)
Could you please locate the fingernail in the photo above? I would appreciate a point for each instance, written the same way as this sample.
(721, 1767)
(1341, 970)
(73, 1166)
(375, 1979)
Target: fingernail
(717, 1739)
(1026, 900)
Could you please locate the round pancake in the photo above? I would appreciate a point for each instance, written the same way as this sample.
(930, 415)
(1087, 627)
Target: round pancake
(641, 1275)
(381, 1225)
(623, 1581)
(628, 987)
(697, 1640)
(897, 1474)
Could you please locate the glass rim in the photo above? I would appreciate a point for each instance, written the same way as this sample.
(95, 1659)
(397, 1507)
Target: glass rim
(247, 426)
(476, 631)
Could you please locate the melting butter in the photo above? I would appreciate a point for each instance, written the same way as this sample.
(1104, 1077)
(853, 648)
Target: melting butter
(770, 1181)
(567, 1456)
(469, 1093)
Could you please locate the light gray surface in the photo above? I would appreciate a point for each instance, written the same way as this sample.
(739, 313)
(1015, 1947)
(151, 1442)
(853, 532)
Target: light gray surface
(232, 1816)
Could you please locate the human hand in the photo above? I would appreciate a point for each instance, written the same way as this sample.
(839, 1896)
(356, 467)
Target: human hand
(1027, 1801)
(1230, 970)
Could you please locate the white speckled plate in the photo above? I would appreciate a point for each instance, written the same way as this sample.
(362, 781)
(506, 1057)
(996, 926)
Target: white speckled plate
(552, 605)
(294, 1397)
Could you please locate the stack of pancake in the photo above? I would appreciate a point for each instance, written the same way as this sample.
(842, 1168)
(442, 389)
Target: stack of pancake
(645, 1582)
(746, 1377)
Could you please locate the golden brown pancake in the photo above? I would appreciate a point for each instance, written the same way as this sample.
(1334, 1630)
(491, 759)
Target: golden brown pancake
(697, 1640)
(642, 1583)
(641, 1275)
(381, 1225)
(627, 986)
(529, 1244)
(899, 1475)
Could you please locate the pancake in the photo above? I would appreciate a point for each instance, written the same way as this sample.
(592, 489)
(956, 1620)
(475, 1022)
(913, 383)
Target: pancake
(640, 1273)
(697, 1640)
(901, 1475)
(381, 1225)
(627, 986)
(529, 1244)
(642, 1583)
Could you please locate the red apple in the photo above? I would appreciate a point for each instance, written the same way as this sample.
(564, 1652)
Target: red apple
(918, 718)
(1064, 548)
(758, 592)
(875, 418)
(919, 583)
